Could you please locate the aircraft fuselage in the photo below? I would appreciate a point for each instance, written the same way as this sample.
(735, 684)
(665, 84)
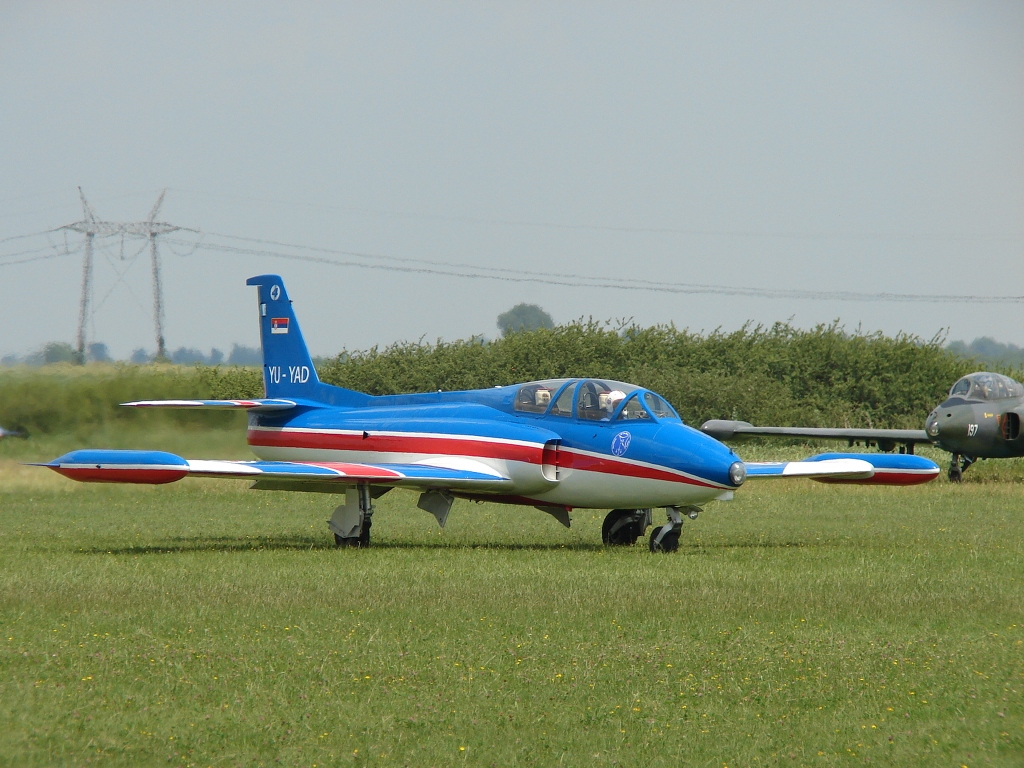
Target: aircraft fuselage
(552, 460)
(981, 429)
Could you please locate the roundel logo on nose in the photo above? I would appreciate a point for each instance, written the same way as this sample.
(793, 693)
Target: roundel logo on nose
(621, 442)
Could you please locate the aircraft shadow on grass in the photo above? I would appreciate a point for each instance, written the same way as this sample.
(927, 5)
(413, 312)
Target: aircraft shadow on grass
(182, 545)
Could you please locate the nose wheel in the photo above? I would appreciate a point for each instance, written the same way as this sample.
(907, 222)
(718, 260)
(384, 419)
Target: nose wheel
(958, 466)
(665, 538)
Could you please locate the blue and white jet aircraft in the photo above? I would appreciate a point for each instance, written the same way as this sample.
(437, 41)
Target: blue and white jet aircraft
(556, 445)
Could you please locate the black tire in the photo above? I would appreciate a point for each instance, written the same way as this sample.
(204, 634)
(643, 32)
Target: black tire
(669, 542)
(360, 542)
(620, 528)
(956, 475)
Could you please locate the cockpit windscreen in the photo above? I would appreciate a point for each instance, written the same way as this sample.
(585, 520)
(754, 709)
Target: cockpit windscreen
(986, 386)
(595, 400)
(535, 397)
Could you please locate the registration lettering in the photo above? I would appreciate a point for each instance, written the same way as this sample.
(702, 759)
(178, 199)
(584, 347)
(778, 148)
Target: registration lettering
(296, 374)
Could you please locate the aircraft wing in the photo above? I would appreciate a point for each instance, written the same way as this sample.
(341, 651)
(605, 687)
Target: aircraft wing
(859, 468)
(157, 467)
(218, 405)
(727, 430)
(848, 469)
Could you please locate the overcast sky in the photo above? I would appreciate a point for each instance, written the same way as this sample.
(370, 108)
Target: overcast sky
(871, 147)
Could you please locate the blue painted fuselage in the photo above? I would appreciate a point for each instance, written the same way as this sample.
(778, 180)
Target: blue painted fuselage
(563, 460)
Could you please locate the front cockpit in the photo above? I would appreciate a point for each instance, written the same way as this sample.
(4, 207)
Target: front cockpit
(592, 400)
(986, 386)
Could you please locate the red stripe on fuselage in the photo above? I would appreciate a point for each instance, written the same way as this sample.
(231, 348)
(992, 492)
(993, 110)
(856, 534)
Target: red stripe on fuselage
(431, 445)
(444, 446)
(609, 466)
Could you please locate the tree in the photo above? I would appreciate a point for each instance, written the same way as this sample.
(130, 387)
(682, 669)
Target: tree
(59, 352)
(524, 317)
(242, 355)
(98, 353)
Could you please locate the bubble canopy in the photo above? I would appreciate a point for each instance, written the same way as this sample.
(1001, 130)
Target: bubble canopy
(592, 400)
(986, 386)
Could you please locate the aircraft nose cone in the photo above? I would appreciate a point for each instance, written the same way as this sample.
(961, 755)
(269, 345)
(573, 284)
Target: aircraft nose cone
(737, 473)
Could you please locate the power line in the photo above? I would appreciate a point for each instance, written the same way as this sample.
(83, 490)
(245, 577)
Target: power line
(56, 255)
(32, 234)
(469, 271)
(27, 251)
(693, 232)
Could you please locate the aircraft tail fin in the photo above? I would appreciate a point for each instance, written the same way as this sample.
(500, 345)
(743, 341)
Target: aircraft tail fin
(287, 367)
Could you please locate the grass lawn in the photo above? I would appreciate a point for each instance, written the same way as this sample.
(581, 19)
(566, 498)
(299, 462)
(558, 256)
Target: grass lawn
(801, 624)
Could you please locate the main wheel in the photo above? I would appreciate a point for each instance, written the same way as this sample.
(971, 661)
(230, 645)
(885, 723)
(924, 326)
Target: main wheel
(360, 541)
(665, 541)
(620, 528)
(955, 474)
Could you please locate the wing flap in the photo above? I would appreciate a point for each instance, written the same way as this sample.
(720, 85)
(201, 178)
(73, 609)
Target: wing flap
(259, 406)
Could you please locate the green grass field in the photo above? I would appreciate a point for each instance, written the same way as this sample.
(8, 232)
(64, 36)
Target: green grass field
(801, 624)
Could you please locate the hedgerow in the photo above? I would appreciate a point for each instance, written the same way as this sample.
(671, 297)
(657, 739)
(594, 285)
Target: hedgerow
(824, 376)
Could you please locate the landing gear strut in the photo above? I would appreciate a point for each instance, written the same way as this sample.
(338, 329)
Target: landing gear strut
(351, 522)
(665, 538)
(622, 527)
(958, 466)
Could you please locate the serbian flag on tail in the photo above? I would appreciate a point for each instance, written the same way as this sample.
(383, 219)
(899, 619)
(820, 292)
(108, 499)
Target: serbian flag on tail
(279, 325)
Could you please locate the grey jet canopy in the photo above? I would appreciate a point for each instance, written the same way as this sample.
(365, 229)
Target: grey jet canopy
(986, 386)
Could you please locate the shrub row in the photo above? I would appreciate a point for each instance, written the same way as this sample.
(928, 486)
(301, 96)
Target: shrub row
(767, 375)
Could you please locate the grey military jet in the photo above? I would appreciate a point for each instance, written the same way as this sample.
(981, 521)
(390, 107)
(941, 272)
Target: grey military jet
(980, 419)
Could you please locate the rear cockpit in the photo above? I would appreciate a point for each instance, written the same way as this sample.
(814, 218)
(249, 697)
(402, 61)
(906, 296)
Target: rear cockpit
(592, 400)
(986, 386)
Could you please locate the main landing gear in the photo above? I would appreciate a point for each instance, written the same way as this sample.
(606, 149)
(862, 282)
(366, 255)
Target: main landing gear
(958, 466)
(351, 522)
(622, 527)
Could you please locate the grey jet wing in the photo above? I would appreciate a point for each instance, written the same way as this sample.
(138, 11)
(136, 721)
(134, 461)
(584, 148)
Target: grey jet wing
(727, 430)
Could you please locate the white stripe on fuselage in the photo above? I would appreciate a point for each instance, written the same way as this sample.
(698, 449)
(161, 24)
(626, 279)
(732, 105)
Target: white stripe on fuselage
(574, 488)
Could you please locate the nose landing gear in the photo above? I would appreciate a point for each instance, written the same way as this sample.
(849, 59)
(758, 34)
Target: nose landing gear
(666, 537)
(958, 466)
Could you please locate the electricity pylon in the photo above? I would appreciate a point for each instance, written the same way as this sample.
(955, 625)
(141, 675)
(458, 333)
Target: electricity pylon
(92, 227)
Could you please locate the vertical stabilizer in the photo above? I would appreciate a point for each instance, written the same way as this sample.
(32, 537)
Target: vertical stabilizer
(287, 367)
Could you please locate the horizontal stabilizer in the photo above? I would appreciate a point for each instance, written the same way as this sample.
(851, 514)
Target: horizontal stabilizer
(260, 406)
(156, 467)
